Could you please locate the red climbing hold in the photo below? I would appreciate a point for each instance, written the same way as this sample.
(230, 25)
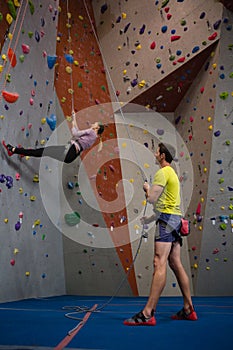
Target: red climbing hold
(213, 36)
(169, 16)
(198, 210)
(153, 45)
(175, 37)
(181, 59)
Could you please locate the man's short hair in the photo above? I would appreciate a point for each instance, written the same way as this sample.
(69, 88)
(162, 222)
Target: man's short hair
(168, 150)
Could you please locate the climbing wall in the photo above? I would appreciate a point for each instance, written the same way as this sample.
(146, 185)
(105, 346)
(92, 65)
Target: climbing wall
(160, 72)
(31, 248)
(169, 62)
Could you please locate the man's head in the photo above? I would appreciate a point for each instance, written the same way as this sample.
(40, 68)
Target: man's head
(167, 150)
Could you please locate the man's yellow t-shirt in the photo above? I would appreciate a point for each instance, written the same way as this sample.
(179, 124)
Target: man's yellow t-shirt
(169, 201)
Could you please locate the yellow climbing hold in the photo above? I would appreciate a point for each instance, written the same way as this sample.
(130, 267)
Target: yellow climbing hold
(9, 18)
(36, 223)
(123, 15)
(142, 83)
(63, 99)
(131, 181)
(139, 46)
(43, 121)
(69, 15)
(146, 165)
(210, 127)
(124, 144)
(2, 116)
(1, 68)
(10, 36)
(145, 131)
(209, 119)
(16, 251)
(144, 202)
(4, 57)
(27, 273)
(76, 63)
(16, 3)
(80, 17)
(71, 91)
(202, 200)
(42, 142)
(32, 198)
(36, 178)
(124, 71)
(195, 266)
(68, 69)
(214, 65)
(20, 190)
(6, 220)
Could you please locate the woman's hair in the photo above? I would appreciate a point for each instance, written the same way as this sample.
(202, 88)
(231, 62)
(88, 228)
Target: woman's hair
(168, 150)
(100, 130)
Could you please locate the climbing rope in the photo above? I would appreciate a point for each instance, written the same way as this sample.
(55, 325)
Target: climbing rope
(16, 42)
(75, 310)
(113, 88)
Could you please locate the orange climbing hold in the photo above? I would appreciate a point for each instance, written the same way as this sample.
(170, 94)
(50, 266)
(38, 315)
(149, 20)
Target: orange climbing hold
(10, 97)
(12, 57)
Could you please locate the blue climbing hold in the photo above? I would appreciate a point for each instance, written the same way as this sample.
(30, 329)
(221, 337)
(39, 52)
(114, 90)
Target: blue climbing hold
(52, 121)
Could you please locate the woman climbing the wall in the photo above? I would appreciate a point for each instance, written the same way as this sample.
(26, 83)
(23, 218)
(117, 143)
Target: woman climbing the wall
(81, 140)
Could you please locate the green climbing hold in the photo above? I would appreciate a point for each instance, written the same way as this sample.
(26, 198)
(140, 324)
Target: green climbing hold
(231, 75)
(223, 226)
(1, 16)
(12, 9)
(183, 22)
(224, 95)
(221, 180)
(21, 58)
(103, 88)
(31, 7)
(80, 84)
(72, 219)
(228, 142)
(172, 57)
(169, 88)
(164, 3)
(30, 34)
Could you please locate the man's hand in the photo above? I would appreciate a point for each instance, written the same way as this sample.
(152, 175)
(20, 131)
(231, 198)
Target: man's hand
(146, 188)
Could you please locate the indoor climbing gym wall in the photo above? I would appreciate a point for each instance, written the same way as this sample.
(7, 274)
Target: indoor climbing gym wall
(31, 248)
(174, 59)
(149, 72)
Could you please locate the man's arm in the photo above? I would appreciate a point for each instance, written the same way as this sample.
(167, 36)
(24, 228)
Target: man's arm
(152, 192)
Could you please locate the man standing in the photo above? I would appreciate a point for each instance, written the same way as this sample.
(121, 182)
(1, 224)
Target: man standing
(164, 194)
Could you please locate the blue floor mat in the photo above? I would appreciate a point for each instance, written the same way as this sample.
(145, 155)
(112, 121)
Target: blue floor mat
(43, 323)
